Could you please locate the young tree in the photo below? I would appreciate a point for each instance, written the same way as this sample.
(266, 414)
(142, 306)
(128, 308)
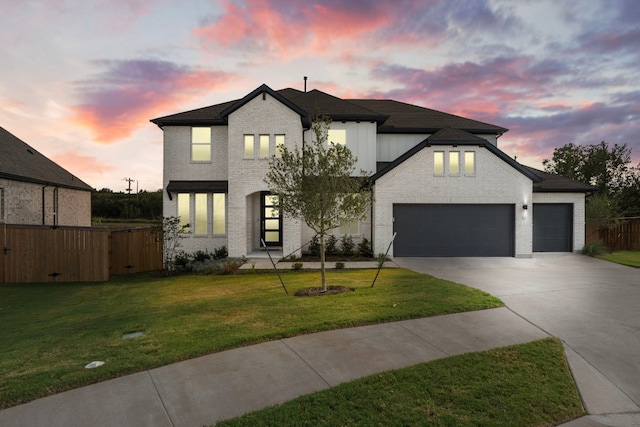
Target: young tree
(315, 184)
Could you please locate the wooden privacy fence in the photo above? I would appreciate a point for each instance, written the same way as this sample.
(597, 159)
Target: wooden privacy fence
(75, 254)
(624, 237)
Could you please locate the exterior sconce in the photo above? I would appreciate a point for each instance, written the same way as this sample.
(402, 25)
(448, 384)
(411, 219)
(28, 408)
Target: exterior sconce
(525, 207)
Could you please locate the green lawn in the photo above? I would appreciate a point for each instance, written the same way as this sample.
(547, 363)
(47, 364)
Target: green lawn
(51, 331)
(522, 385)
(630, 258)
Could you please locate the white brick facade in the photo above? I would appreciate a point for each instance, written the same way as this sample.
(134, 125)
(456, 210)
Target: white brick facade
(495, 182)
(497, 179)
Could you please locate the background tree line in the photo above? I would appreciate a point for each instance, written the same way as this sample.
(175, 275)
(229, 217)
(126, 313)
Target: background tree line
(142, 205)
(609, 170)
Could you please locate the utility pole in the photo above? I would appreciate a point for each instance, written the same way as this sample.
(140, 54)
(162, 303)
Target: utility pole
(129, 181)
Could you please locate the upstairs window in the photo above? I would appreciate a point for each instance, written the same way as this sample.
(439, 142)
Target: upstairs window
(469, 163)
(264, 146)
(200, 144)
(454, 163)
(438, 162)
(279, 145)
(249, 146)
(337, 137)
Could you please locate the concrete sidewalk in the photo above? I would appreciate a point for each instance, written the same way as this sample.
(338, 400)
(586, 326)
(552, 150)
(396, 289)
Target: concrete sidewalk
(222, 385)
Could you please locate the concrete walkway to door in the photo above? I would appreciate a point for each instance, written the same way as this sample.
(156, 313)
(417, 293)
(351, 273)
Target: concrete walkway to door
(593, 306)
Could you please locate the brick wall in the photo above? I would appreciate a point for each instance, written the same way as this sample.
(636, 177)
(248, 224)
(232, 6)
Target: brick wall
(414, 182)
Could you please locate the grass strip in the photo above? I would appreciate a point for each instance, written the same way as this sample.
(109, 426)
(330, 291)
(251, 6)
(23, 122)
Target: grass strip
(629, 258)
(52, 330)
(521, 385)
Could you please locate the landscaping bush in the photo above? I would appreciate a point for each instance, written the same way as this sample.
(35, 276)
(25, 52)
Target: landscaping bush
(365, 249)
(339, 265)
(181, 260)
(347, 245)
(201, 255)
(220, 253)
(330, 245)
(314, 246)
(594, 248)
(297, 266)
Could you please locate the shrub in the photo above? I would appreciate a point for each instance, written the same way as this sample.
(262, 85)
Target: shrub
(364, 248)
(201, 256)
(181, 260)
(297, 266)
(339, 265)
(330, 245)
(230, 266)
(594, 248)
(314, 246)
(220, 253)
(346, 242)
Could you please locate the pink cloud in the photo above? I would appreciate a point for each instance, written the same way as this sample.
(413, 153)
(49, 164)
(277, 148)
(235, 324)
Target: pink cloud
(280, 29)
(285, 30)
(129, 93)
(81, 165)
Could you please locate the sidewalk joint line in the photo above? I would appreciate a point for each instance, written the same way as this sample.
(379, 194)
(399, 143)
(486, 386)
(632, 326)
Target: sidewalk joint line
(306, 363)
(155, 387)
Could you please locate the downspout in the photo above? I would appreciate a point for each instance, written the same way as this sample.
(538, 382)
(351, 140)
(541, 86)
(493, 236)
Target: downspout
(44, 211)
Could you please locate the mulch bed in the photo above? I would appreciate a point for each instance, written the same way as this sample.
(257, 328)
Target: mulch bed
(317, 292)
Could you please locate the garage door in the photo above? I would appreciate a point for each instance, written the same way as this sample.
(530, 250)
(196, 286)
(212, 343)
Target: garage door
(552, 227)
(435, 230)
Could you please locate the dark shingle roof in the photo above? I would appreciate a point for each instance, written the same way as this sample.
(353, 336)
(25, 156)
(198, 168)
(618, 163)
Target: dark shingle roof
(408, 118)
(552, 183)
(391, 116)
(448, 136)
(21, 162)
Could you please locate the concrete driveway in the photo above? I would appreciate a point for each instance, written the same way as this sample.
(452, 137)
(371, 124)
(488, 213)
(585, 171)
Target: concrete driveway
(593, 306)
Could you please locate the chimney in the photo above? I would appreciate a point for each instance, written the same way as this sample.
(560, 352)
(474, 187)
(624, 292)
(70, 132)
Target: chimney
(305, 83)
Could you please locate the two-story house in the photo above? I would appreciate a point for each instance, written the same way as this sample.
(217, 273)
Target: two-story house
(441, 184)
(36, 191)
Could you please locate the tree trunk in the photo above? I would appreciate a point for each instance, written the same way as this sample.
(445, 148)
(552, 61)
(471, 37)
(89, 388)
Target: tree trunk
(322, 257)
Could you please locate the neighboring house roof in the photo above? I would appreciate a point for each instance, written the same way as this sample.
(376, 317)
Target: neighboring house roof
(390, 116)
(552, 183)
(450, 136)
(21, 162)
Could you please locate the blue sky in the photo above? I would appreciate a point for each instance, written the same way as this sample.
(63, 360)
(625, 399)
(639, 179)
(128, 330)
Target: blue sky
(81, 79)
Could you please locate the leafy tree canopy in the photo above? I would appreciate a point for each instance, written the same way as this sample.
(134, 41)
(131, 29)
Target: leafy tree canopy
(315, 184)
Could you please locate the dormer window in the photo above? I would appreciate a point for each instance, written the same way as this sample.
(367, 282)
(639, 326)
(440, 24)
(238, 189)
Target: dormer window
(200, 144)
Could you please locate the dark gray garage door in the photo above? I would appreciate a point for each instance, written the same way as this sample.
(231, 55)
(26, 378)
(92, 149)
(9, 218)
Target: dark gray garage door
(453, 230)
(552, 227)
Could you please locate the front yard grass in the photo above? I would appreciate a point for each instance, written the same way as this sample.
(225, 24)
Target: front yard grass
(52, 330)
(630, 258)
(522, 385)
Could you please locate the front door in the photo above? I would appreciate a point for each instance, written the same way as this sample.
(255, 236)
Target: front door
(270, 220)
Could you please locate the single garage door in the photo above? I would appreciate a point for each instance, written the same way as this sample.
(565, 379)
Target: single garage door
(437, 230)
(552, 227)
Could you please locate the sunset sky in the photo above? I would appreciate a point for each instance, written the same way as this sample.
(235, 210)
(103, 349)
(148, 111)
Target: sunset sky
(80, 79)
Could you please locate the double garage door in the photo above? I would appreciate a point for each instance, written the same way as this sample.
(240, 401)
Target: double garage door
(446, 230)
